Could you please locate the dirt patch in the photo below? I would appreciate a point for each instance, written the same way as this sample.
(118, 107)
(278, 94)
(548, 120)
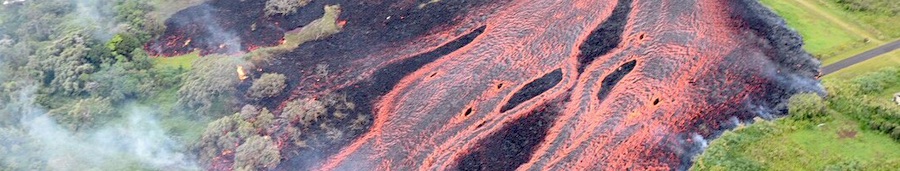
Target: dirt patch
(847, 134)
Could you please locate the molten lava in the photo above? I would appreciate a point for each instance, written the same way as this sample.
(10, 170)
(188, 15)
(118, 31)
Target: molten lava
(535, 85)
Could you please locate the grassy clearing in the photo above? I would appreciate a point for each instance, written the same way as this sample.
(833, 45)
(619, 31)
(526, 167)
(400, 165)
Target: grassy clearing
(182, 61)
(874, 64)
(836, 143)
(766, 145)
(317, 29)
(833, 32)
(876, 16)
(852, 131)
(823, 37)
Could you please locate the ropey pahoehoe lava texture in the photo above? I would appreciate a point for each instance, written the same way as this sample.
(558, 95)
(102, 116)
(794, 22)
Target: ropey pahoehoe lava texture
(538, 84)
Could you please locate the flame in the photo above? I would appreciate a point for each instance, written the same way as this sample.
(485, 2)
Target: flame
(241, 74)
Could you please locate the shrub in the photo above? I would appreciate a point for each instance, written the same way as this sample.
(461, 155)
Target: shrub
(85, 113)
(218, 137)
(268, 85)
(257, 153)
(304, 111)
(264, 119)
(284, 7)
(807, 107)
(249, 112)
(211, 80)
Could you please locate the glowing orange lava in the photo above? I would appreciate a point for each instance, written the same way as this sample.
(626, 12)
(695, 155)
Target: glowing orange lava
(530, 85)
(681, 70)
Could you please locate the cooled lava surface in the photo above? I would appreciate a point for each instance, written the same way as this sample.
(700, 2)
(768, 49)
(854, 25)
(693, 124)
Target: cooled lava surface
(526, 84)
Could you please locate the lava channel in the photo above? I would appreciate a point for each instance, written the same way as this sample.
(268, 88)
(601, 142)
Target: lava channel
(638, 80)
(544, 85)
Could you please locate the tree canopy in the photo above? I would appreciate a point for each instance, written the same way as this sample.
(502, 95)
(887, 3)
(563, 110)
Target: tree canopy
(268, 85)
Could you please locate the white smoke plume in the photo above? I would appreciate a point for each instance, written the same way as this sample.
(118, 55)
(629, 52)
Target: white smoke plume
(137, 142)
(97, 15)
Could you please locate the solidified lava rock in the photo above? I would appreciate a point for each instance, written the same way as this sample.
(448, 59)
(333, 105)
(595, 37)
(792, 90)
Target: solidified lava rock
(569, 84)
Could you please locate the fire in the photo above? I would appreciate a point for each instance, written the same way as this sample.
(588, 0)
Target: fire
(242, 75)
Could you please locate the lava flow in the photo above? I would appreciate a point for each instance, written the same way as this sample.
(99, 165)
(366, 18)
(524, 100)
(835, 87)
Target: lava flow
(546, 85)
(619, 85)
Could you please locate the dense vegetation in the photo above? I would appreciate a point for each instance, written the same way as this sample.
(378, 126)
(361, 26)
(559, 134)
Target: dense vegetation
(75, 80)
(850, 129)
(76, 67)
(82, 64)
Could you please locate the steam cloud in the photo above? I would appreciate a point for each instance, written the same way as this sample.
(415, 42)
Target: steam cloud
(136, 141)
(226, 41)
(97, 16)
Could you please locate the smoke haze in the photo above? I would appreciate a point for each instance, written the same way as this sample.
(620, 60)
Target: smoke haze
(137, 141)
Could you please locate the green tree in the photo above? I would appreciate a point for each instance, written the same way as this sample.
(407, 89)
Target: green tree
(249, 112)
(85, 113)
(220, 136)
(62, 65)
(807, 107)
(39, 21)
(268, 85)
(257, 153)
(305, 111)
(264, 120)
(210, 82)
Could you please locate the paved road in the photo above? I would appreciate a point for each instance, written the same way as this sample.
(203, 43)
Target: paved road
(861, 57)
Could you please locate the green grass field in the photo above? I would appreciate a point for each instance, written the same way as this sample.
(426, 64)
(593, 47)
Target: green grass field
(883, 24)
(834, 143)
(831, 32)
(822, 36)
(841, 140)
(839, 144)
(183, 61)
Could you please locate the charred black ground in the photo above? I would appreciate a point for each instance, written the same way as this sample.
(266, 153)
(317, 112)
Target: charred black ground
(606, 37)
(609, 82)
(512, 146)
(533, 89)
